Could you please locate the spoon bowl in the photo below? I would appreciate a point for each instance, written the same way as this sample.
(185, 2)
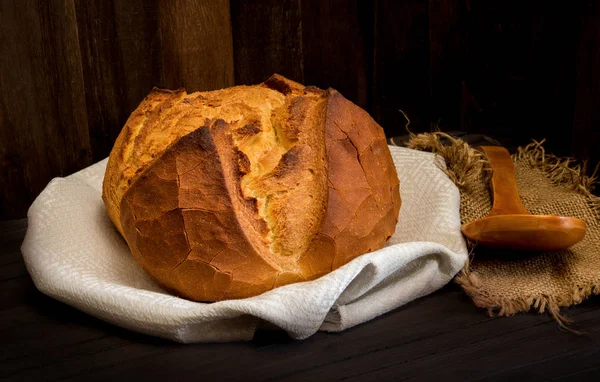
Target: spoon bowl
(526, 232)
(509, 225)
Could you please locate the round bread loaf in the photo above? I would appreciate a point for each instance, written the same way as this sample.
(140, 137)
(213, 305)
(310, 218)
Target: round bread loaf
(230, 193)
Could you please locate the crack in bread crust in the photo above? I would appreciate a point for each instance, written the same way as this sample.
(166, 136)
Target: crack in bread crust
(287, 167)
(229, 193)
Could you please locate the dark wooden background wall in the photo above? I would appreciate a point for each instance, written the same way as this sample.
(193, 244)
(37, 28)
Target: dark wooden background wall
(71, 71)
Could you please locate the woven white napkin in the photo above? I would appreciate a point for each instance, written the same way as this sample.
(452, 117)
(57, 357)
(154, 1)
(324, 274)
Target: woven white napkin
(75, 255)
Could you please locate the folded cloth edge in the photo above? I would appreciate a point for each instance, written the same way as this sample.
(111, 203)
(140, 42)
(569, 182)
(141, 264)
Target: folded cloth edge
(182, 332)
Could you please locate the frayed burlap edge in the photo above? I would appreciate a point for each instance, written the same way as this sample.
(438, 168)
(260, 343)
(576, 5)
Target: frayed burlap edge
(464, 164)
(562, 171)
(457, 159)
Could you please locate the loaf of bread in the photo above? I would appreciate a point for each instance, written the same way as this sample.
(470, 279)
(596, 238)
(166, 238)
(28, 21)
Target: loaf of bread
(230, 193)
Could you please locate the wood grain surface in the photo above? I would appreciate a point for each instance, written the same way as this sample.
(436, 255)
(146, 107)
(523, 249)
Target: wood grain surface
(401, 68)
(267, 39)
(438, 337)
(585, 132)
(337, 38)
(43, 116)
(115, 43)
(71, 71)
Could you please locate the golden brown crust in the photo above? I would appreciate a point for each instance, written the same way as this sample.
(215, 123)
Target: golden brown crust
(179, 223)
(124, 161)
(364, 190)
(230, 193)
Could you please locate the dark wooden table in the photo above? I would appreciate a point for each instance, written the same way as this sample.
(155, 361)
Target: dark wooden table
(441, 336)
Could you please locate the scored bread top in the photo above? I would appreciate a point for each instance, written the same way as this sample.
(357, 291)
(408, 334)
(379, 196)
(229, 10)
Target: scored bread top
(269, 143)
(230, 193)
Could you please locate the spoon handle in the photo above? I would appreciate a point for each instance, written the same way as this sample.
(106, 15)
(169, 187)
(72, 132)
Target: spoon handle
(504, 184)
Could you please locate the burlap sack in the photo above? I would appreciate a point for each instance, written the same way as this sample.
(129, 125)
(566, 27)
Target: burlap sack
(505, 282)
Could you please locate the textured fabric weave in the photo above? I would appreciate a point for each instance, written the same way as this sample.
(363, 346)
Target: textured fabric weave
(508, 283)
(505, 282)
(74, 254)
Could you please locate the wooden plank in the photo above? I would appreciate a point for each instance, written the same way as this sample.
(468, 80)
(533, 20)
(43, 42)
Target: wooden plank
(196, 44)
(401, 68)
(43, 121)
(267, 39)
(479, 352)
(445, 61)
(119, 64)
(439, 336)
(552, 72)
(83, 67)
(129, 47)
(586, 134)
(136, 23)
(337, 44)
(519, 71)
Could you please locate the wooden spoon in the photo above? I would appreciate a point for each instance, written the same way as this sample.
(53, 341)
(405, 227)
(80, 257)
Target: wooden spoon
(509, 225)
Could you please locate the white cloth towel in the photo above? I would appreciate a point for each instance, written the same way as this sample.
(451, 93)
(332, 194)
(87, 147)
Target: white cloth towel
(74, 254)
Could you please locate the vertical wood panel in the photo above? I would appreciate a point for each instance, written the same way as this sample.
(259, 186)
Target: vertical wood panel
(267, 39)
(401, 70)
(129, 47)
(117, 75)
(586, 125)
(519, 70)
(136, 24)
(445, 62)
(71, 72)
(43, 121)
(337, 40)
(554, 37)
(196, 44)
